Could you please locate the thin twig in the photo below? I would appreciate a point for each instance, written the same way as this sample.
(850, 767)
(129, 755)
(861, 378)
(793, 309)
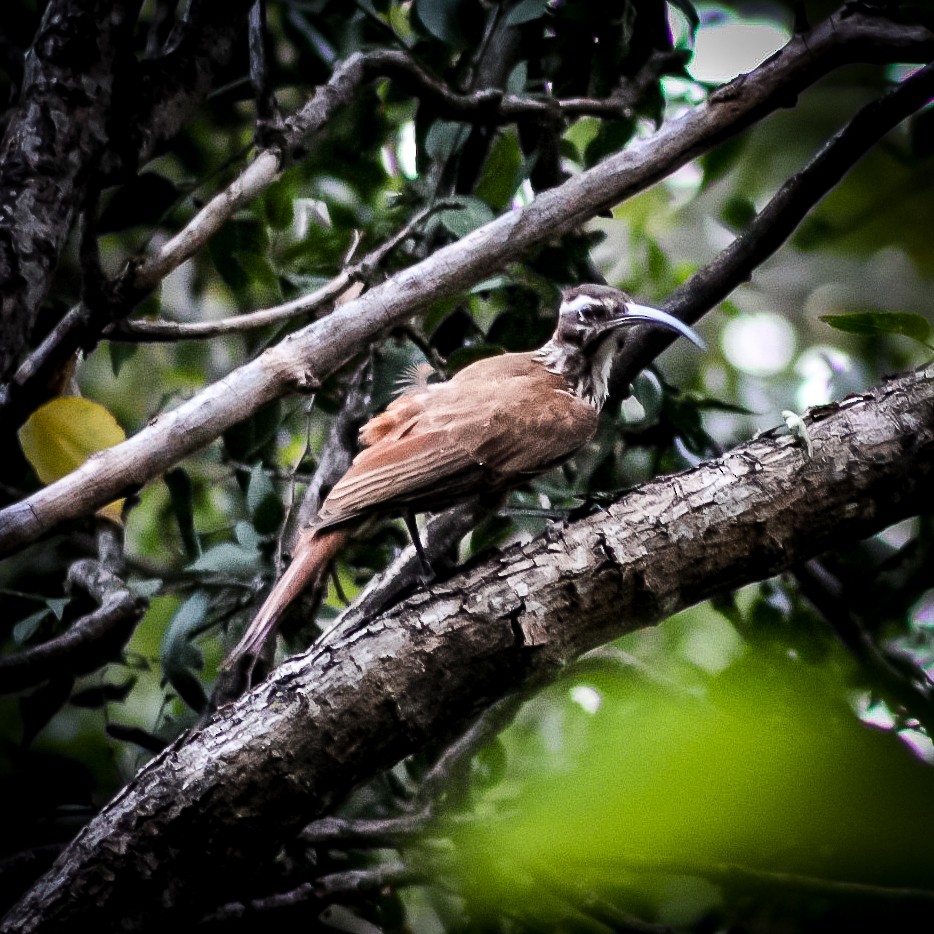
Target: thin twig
(353, 881)
(290, 498)
(339, 447)
(340, 285)
(268, 121)
(898, 677)
(399, 829)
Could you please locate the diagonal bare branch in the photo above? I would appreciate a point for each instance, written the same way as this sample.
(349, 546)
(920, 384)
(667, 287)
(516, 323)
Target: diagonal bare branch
(772, 226)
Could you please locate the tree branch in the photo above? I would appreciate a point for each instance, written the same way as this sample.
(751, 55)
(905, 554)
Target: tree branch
(55, 137)
(92, 638)
(308, 356)
(778, 219)
(288, 751)
(361, 271)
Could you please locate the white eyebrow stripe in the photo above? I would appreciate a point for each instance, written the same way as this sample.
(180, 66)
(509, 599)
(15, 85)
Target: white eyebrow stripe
(576, 304)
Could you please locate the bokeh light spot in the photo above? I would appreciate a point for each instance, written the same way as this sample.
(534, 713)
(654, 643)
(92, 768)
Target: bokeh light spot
(723, 50)
(761, 344)
(586, 697)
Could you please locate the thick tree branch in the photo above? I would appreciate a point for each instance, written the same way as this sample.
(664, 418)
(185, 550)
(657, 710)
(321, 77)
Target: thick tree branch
(292, 748)
(306, 357)
(80, 86)
(57, 134)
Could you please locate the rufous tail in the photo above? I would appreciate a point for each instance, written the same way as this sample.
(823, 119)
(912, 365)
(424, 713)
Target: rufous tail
(313, 553)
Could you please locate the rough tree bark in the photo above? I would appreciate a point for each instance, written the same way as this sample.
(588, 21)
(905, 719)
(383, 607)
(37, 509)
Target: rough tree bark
(188, 828)
(57, 134)
(89, 114)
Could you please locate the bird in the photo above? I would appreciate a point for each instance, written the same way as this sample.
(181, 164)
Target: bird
(493, 425)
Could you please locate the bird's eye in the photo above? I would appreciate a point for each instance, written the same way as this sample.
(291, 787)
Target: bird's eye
(587, 313)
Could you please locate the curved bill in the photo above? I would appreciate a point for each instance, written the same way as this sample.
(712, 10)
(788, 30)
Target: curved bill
(636, 314)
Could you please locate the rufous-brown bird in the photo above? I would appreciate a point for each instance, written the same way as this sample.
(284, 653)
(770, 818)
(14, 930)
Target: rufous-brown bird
(493, 425)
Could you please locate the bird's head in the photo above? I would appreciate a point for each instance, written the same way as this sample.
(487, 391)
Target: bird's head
(592, 322)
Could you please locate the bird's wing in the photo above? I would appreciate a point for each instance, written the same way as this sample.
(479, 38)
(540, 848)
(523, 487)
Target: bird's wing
(428, 450)
(421, 471)
(534, 434)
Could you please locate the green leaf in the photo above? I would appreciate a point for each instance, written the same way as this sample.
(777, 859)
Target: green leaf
(263, 501)
(103, 694)
(234, 241)
(612, 137)
(119, 354)
(580, 134)
(126, 733)
(179, 656)
(57, 605)
(278, 205)
(259, 488)
(444, 138)
(518, 78)
(245, 534)
(181, 493)
(490, 765)
(261, 273)
(525, 12)
(882, 322)
(228, 558)
(448, 20)
(737, 212)
(712, 404)
(245, 440)
(26, 628)
(719, 161)
(461, 221)
(502, 172)
(814, 233)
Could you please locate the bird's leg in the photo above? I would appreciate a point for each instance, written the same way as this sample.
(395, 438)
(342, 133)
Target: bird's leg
(427, 570)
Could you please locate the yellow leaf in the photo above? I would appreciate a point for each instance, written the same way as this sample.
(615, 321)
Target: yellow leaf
(62, 434)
